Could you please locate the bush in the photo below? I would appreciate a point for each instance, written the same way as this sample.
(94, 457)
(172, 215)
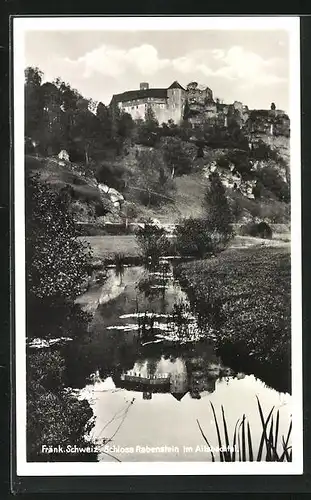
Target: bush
(240, 160)
(112, 175)
(199, 238)
(178, 155)
(273, 182)
(56, 260)
(54, 416)
(259, 230)
(262, 151)
(217, 207)
(223, 162)
(46, 368)
(153, 241)
(193, 238)
(153, 181)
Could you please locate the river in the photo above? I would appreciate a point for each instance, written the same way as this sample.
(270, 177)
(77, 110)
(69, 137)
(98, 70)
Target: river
(148, 385)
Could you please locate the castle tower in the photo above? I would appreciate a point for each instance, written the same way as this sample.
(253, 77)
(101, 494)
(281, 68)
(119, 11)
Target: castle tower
(176, 97)
(144, 86)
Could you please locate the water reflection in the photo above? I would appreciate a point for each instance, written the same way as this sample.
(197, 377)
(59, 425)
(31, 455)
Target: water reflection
(194, 371)
(146, 345)
(131, 420)
(146, 314)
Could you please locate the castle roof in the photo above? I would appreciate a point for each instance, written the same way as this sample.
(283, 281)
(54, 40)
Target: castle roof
(130, 95)
(179, 395)
(176, 85)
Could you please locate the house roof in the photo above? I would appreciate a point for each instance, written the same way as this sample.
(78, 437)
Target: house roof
(176, 85)
(130, 95)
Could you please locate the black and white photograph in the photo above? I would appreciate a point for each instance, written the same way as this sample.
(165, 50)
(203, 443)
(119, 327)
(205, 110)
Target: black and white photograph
(157, 245)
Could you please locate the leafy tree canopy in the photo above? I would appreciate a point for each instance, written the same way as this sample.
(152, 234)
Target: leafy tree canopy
(57, 262)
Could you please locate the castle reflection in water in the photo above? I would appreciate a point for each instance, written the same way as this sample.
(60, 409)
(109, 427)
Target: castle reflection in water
(196, 376)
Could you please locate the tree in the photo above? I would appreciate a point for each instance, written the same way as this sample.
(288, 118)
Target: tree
(69, 96)
(108, 128)
(129, 212)
(150, 119)
(54, 416)
(33, 76)
(194, 238)
(52, 130)
(57, 271)
(257, 190)
(147, 131)
(57, 262)
(153, 241)
(154, 180)
(33, 104)
(270, 178)
(84, 132)
(125, 125)
(273, 106)
(216, 205)
(240, 160)
(176, 156)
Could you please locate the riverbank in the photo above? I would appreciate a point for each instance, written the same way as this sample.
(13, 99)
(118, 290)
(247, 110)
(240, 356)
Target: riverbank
(248, 292)
(107, 247)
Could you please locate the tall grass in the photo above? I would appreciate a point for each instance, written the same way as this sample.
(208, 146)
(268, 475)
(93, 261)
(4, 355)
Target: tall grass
(241, 447)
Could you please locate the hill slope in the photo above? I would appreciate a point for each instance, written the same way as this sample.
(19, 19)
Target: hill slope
(91, 205)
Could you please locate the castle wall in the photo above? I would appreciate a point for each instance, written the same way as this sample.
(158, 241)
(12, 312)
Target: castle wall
(137, 108)
(164, 109)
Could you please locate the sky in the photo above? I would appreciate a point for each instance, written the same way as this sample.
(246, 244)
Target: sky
(247, 66)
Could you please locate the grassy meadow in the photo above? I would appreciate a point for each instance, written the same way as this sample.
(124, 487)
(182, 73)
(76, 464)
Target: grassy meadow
(247, 292)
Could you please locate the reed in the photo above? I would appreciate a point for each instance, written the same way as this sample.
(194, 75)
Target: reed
(241, 447)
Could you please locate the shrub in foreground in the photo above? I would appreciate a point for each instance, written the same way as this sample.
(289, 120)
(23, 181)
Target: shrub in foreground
(153, 241)
(199, 238)
(259, 230)
(54, 415)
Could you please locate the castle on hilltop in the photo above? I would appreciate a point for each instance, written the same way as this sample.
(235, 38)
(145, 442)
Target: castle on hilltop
(166, 104)
(197, 104)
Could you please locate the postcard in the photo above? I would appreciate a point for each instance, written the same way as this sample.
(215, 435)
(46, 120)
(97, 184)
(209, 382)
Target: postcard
(157, 245)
